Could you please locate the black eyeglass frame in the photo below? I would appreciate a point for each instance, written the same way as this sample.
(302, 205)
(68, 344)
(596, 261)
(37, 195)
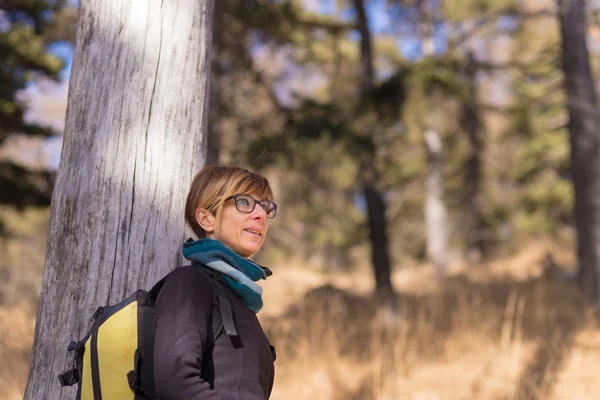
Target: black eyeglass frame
(236, 196)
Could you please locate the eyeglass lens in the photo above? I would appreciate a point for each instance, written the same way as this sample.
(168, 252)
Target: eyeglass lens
(246, 203)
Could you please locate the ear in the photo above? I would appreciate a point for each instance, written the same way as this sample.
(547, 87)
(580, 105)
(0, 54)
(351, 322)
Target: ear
(206, 220)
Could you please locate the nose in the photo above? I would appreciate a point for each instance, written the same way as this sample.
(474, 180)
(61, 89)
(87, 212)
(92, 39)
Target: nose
(259, 213)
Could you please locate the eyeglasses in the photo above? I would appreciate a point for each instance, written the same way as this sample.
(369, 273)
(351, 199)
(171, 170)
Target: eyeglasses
(246, 204)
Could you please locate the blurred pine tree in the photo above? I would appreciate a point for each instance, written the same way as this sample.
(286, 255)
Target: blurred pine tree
(27, 28)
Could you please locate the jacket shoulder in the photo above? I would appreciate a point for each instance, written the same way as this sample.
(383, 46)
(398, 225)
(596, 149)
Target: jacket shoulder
(190, 278)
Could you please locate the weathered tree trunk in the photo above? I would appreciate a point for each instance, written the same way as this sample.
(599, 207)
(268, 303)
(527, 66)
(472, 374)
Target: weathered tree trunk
(213, 140)
(366, 51)
(134, 138)
(379, 242)
(584, 123)
(375, 205)
(435, 208)
(476, 226)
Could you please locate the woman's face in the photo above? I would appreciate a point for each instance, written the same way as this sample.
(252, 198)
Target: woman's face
(242, 232)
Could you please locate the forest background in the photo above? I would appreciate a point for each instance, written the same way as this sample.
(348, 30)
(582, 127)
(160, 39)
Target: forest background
(419, 151)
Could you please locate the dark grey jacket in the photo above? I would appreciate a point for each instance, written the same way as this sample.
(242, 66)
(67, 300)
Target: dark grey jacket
(184, 369)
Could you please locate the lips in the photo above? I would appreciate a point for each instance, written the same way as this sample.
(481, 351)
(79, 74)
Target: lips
(254, 231)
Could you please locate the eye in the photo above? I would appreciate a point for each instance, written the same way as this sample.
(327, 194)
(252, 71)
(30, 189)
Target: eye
(242, 201)
(265, 206)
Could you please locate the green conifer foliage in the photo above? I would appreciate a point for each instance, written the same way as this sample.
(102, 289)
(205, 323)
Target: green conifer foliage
(27, 28)
(540, 167)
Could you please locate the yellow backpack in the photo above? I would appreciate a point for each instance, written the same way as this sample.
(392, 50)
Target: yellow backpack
(114, 360)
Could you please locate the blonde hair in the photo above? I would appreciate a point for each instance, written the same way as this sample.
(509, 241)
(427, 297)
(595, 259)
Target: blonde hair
(216, 183)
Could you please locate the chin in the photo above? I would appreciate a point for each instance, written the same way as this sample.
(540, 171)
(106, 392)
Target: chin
(248, 251)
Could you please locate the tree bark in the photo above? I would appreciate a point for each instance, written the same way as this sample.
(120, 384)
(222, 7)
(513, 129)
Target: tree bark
(375, 205)
(134, 137)
(476, 226)
(366, 52)
(584, 122)
(435, 208)
(213, 141)
(379, 242)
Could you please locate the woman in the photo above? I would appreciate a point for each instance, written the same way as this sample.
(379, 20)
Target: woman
(228, 208)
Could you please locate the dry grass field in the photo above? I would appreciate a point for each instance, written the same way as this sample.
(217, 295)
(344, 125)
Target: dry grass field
(511, 329)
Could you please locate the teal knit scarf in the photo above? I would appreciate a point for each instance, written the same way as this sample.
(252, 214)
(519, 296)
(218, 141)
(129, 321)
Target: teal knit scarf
(239, 272)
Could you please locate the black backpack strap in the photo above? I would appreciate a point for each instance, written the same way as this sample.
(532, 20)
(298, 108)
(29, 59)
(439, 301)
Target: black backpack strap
(134, 378)
(72, 376)
(221, 317)
(220, 293)
(222, 313)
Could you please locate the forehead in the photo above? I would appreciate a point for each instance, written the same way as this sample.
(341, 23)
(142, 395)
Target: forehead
(257, 188)
(257, 195)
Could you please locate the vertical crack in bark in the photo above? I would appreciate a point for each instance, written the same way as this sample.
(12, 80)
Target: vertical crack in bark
(132, 199)
(154, 84)
(114, 264)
